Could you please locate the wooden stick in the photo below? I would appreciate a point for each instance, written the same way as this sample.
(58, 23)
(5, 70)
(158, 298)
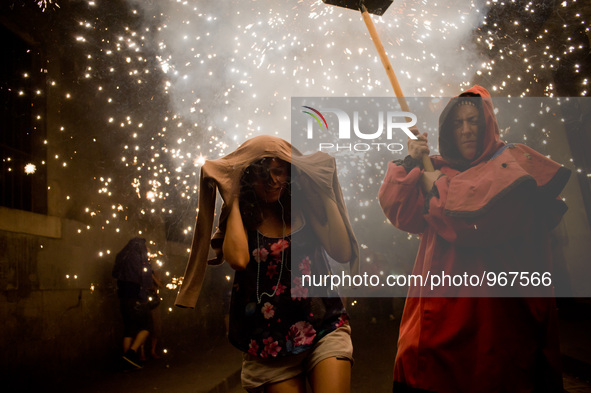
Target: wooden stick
(390, 72)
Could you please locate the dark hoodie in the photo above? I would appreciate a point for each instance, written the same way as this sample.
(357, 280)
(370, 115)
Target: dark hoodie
(133, 271)
(492, 214)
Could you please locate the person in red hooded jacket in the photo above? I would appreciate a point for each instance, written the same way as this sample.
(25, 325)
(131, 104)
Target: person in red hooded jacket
(487, 209)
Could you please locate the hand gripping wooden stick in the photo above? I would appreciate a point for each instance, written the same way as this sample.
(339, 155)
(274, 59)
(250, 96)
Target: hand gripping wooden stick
(390, 72)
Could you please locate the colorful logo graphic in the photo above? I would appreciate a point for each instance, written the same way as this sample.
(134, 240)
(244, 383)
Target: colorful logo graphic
(349, 127)
(316, 117)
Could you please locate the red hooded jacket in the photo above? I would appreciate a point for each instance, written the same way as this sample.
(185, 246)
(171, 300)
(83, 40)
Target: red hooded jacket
(490, 215)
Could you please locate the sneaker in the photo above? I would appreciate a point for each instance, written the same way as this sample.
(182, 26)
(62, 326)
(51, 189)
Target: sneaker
(133, 359)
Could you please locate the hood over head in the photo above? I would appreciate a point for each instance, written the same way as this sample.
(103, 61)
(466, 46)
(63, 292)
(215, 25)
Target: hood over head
(497, 169)
(489, 140)
(130, 261)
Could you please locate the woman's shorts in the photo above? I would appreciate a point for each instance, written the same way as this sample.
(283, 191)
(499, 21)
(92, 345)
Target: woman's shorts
(257, 372)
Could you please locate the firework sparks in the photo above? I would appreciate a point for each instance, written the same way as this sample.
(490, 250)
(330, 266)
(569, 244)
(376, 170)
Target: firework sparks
(43, 4)
(178, 83)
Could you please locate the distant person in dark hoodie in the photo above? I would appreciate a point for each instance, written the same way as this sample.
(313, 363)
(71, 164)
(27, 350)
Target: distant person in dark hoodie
(134, 283)
(488, 207)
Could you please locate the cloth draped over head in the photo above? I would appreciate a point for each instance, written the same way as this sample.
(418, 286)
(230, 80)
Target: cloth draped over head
(224, 175)
(497, 169)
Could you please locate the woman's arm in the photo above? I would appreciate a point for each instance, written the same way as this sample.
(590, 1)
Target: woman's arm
(235, 247)
(332, 233)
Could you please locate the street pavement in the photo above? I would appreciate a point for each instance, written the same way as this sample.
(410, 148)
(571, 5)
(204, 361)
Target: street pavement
(213, 366)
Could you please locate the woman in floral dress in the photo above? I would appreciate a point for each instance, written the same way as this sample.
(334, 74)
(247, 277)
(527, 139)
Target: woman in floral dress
(271, 240)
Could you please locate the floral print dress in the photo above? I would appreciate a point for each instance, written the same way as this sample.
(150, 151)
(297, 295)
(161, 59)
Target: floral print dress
(270, 312)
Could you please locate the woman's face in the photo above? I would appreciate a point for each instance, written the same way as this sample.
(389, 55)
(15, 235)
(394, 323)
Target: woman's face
(271, 184)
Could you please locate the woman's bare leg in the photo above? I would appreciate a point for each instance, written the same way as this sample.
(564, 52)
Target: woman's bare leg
(127, 343)
(139, 340)
(293, 385)
(331, 375)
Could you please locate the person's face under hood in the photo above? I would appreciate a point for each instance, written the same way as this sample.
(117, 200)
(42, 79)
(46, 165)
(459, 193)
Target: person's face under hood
(465, 120)
(271, 178)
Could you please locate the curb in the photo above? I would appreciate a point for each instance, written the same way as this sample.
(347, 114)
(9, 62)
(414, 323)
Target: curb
(576, 368)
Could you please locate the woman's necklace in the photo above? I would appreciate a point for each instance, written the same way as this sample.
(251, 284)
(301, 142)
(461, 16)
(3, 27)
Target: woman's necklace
(260, 297)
